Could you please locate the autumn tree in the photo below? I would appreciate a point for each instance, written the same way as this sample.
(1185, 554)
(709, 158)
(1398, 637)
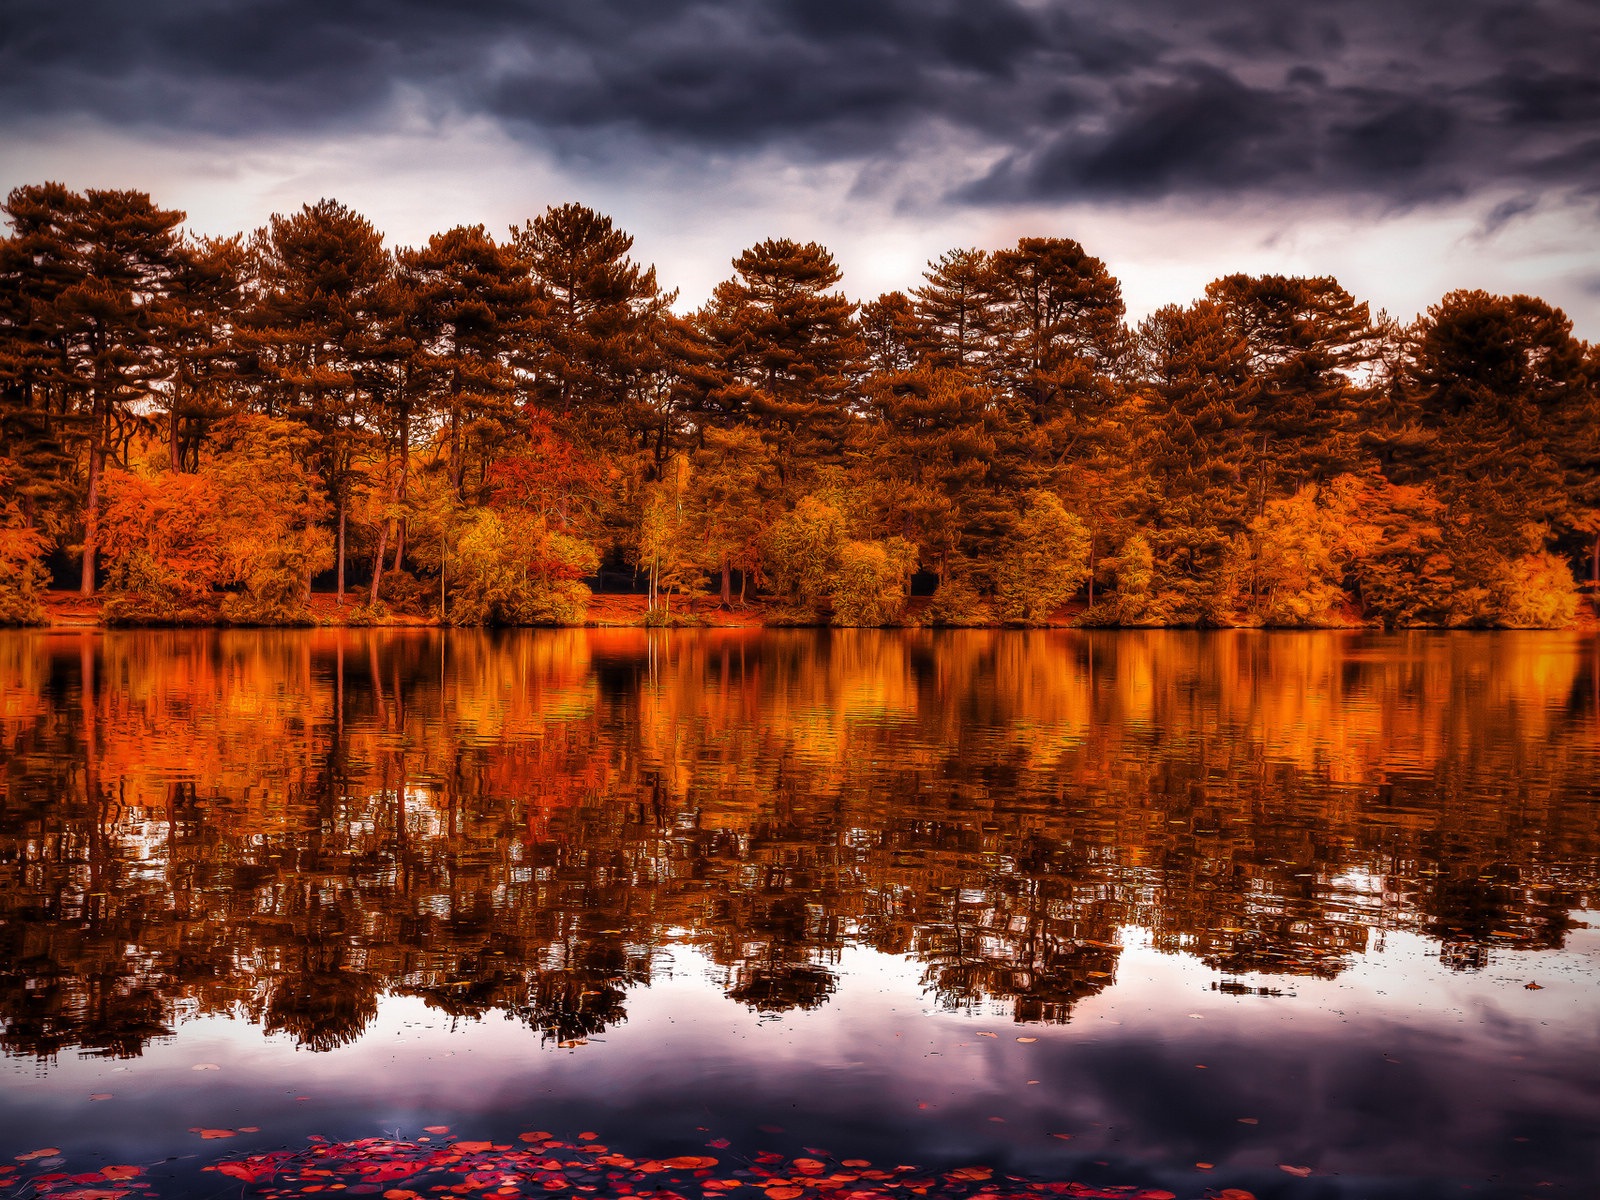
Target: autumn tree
(313, 329)
(1308, 343)
(474, 314)
(1501, 393)
(597, 316)
(958, 309)
(1197, 405)
(787, 346)
(199, 358)
(122, 255)
(39, 411)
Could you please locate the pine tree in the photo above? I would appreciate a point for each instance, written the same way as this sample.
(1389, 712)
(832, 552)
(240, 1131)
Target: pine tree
(788, 349)
(313, 329)
(1307, 340)
(1199, 394)
(109, 314)
(595, 319)
(38, 261)
(958, 308)
(199, 357)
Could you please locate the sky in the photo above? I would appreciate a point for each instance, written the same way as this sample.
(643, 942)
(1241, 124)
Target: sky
(1406, 147)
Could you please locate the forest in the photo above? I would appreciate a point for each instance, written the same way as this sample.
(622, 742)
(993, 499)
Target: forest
(489, 430)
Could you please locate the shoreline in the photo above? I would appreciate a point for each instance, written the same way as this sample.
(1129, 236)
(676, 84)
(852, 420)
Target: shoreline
(66, 611)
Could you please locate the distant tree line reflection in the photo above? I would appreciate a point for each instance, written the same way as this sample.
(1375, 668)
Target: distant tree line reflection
(290, 825)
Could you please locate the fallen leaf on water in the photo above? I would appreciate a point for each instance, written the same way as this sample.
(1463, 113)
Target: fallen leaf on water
(99, 1095)
(1235, 1194)
(784, 1193)
(719, 1143)
(1027, 1039)
(1204, 1166)
(690, 1162)
(47, 1152)
(985, 1033)
(537, 1135)
(205, 1067)
(436, 1129)
(1534, 987)
(588, 1137)
(1248, 1121)
(974, 1173)
(249, 1129)
(1065, 1137)
(122, 1171)
(1300, 1172)
(400, 1194)
(473, 1147)
(211, 1135)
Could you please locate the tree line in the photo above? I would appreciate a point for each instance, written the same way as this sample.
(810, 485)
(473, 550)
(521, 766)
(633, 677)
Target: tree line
(484, 428)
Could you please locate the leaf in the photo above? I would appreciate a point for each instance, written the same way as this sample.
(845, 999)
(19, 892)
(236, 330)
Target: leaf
(977, 1174)
(211, 1135)
(122, 1171)
(100, 1095)
(1298, 1172)
(784, 1193)
(1028, 1039)
(47, 1152)
(1249, 1121)
(690, 1162)
(473, 1147)
(436, 1129)
(719, 1143)
(400, 1194)
(205, 1067)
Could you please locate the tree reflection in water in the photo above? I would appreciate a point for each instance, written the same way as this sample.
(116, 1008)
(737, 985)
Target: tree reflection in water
(290, 825)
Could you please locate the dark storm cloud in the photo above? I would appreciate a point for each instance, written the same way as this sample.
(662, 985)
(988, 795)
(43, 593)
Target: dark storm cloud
(1397, 100)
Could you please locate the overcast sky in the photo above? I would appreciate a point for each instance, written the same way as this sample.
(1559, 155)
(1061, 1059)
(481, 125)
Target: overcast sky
(1407, 147)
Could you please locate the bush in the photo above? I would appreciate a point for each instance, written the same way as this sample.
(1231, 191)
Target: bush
(1537, 591)
(869, 586)
(511, 569)
(22, 574)
(957, 603)
(802, 554)
(1042, 563)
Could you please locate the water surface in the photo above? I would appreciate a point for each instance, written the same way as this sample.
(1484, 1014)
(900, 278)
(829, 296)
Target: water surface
(1077, 907)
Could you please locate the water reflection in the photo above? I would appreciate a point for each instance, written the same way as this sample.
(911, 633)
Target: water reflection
(289, 825)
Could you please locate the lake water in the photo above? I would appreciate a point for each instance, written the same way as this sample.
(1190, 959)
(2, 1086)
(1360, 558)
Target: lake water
(972, 912)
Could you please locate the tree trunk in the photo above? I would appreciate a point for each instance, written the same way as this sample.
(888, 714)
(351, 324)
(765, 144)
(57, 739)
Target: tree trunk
(91, 526)
(400, 490)
(377, 562)
(341, 547)
(727, 585)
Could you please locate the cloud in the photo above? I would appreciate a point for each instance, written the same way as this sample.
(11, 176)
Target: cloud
(1369, 100)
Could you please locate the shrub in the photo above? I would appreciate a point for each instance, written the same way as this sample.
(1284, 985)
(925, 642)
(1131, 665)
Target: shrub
(869, 586)
(1042, 563)
(512, 569)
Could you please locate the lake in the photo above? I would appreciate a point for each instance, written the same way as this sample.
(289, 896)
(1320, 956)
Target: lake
(799, 913)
